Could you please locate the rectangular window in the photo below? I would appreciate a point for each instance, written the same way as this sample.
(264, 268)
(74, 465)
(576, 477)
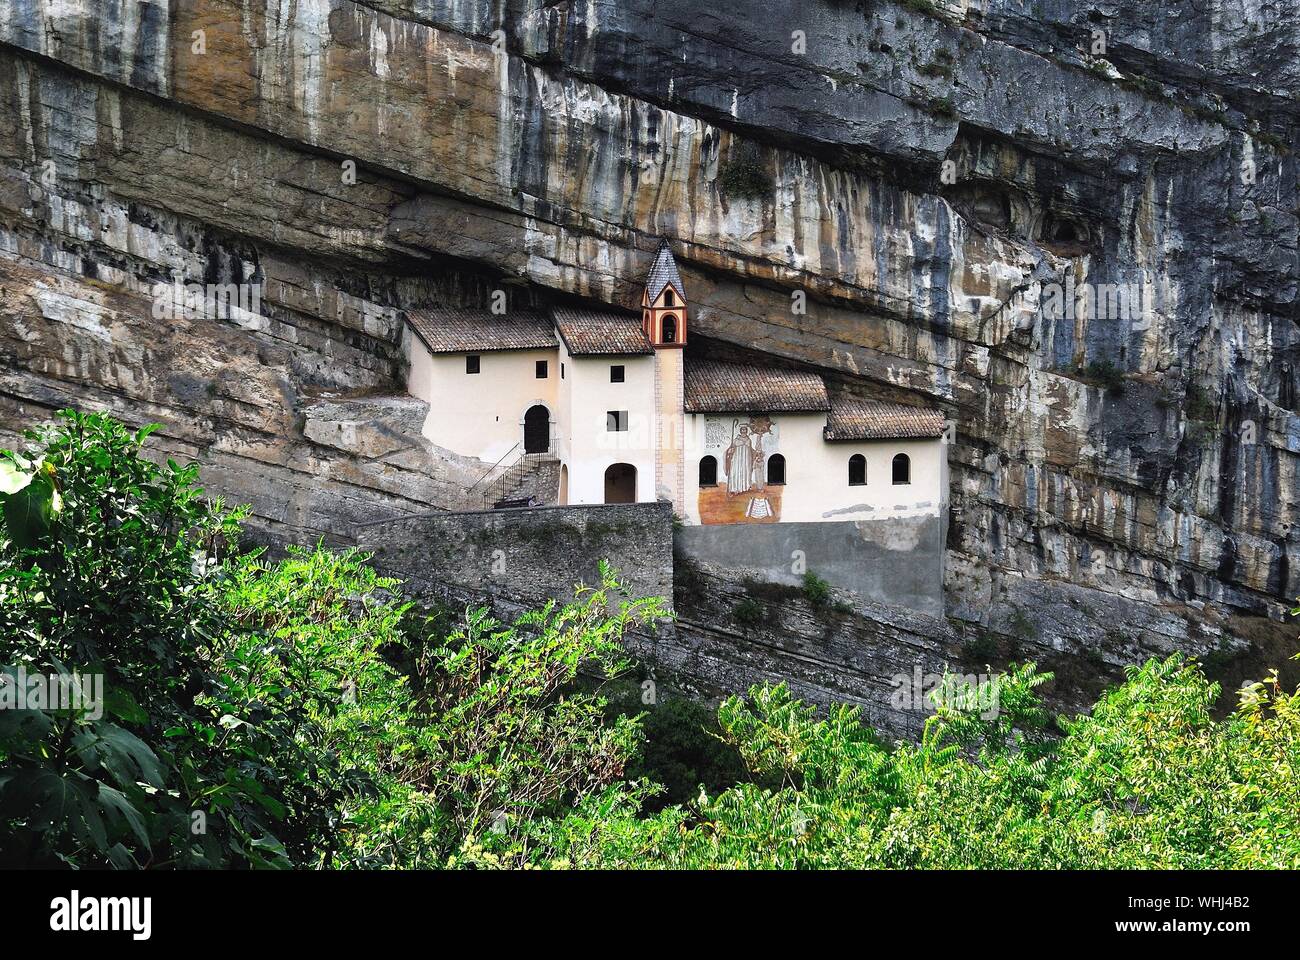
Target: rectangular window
(541, 369)
(616, 420)
(616, 373)
(561, 369)
(471, 364)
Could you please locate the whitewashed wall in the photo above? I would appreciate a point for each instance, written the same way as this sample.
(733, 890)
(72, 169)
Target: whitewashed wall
(817, 473)
(481, 415)
(587, 448)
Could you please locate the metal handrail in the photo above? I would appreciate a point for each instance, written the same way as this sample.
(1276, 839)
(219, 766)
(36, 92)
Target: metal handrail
(516, 472)
(472, 487)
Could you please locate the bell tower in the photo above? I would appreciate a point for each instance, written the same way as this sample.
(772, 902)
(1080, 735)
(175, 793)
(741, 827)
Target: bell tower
(664, 320)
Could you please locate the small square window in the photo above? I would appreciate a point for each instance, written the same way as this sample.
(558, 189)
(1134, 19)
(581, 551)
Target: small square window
(616, 421)
(616, 373)
(471, 364)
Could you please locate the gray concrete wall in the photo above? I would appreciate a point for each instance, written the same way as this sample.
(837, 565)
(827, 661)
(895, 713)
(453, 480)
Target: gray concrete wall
(897, 561)
(521, 558)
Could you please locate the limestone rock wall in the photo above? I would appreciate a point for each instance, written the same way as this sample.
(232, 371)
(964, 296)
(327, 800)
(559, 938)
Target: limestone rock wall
(922, 174)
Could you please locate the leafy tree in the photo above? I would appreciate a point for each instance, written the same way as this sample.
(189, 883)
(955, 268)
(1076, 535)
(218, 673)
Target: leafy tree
(301, 712)
(1148, 779)
(215, 741)
(499, 734)
(268, 714)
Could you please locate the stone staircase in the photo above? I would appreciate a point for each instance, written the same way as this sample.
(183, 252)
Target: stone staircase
(528, 480)
(537, 482)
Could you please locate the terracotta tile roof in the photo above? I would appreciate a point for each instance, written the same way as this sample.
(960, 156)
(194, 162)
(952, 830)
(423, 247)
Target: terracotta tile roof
(476, 330)
(597, 333)
(663, 272)
(854, 419)
(716, 387)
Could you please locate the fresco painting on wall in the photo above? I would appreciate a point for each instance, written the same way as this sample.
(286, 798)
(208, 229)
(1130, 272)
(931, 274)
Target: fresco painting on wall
(742, 447)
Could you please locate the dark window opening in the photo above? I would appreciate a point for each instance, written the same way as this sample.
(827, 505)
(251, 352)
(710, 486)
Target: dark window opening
(616, 420)
(471, 364)
(561, 369)
(670, 329)
(857, 470)
(902, 469)
(709, 472)
(616, 373)
(668, 297)
(776, 468)
(541, 370)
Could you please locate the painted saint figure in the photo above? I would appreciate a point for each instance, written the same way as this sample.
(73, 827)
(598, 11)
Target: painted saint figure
(740, 459)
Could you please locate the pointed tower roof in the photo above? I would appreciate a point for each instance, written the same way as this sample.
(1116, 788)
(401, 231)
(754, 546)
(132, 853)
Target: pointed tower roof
(663, 272)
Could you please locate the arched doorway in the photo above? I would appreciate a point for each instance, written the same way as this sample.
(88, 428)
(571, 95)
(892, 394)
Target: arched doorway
(564, 484)
(620, 483)
(537, 429)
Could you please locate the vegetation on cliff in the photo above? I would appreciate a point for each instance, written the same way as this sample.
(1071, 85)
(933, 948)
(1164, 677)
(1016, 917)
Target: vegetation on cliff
(302, 712)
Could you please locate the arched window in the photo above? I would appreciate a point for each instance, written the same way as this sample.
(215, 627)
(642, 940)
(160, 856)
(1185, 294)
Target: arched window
(708, 471)
(668, 297)
(857, 470)
(670, 329)
(776, 468)
(902, 469)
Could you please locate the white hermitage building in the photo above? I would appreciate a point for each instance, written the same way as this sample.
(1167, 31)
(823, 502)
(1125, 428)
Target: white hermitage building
(615, 401)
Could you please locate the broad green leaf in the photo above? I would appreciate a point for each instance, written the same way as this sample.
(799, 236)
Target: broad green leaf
(12, 479)
(122, 705)
(27, 513)
(115, 802)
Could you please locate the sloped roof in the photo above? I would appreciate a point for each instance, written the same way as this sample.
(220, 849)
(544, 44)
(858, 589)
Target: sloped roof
(475, 330)
(597, 333)
(855, 419)
(663, 272)
(716, 387)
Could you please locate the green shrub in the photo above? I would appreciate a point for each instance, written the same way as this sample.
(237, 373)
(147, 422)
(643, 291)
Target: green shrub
(943, 108)
(498, 736)
(748, 612)
(1106, 374)
(745, 174)
(981, 648)
(685, 753)
(1147, 779)
(1199, 405)
(926, 7)
(816, 590)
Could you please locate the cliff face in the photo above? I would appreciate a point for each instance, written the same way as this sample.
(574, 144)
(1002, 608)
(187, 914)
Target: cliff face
(926, 178)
